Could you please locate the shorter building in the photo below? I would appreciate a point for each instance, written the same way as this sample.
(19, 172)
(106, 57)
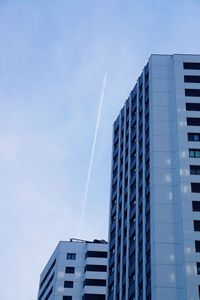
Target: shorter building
(77, 270)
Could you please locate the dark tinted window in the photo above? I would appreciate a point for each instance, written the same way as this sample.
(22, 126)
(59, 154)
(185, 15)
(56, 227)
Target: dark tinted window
(192, 106)
(69, 270)
(94, 282)
(195, 187)
(193, 121)
(192, 92)
(95, 268)
(191, 66)
(68, 284)
(190, 78)
(194, 137)
(194, 153)
(67, 297)
(195, 170)
(196, 225)
(49, 294)
(93, 297)
(196, 205)
(96, 254)
(197, 246)
(46, 286)
(48, 272)
(71, 256)
(198, 268)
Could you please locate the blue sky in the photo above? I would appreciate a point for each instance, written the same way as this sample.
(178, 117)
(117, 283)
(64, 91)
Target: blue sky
(53, 57)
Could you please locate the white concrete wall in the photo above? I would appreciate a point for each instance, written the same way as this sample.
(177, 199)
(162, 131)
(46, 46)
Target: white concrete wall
(174, 259)
(78, 277)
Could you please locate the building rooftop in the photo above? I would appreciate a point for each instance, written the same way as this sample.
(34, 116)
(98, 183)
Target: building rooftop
(95, 241)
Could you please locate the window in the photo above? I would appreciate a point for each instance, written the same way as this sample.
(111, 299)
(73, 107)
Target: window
(196, 225)
(193, 121)
(69, 270)
(71, 256)
(199, 290)
(195, 170)
(196, 205)
(96, 268)
(194, 153)
(48, 272)
(194, 137)
(198, 268)
(191, 66)
(190, 78)
(195, 187)
(94, 297)
(101, 254)
(68, 284)
(94, 282)
(67, 297)
(49, 294)
(192, 92)
(46, 287)
(192, 106)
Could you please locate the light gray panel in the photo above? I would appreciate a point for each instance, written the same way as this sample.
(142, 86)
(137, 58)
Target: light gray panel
(163, 128)
(166, 233)
(165, 212)
(164, 194)
(169, 294)
(160, 98)
(160, 71)
(164, 159)
(167, 254)
(168, 276)
(163, 176)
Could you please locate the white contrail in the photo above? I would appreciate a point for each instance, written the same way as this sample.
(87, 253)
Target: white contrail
(92, 153)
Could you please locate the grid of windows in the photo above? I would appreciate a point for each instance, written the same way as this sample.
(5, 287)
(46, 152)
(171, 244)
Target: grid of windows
(194, 153)
(69, 285)
(130, 199)
(130, 191)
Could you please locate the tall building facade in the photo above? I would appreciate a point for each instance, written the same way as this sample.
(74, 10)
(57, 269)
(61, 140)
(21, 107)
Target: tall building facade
(77, 270)
(154, 231)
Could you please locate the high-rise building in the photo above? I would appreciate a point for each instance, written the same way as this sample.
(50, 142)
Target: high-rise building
(77, 270)
(154, 233)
